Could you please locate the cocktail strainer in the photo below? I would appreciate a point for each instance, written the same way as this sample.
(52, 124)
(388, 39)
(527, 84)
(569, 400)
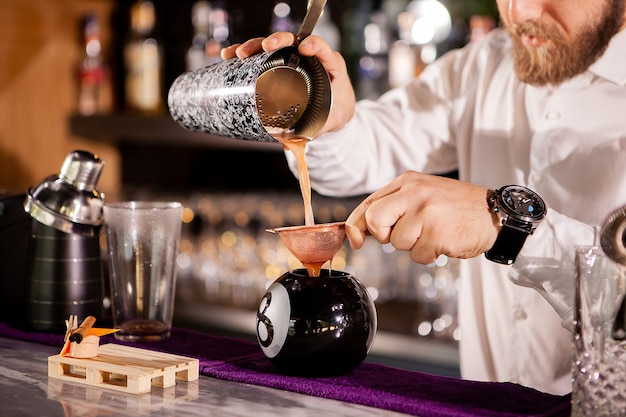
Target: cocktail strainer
(313, 244)
(284, 88)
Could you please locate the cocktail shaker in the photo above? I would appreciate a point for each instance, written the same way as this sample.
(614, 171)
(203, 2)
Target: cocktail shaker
(64, 270)
(258, 98)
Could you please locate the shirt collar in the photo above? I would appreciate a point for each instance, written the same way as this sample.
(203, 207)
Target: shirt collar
(612, 64)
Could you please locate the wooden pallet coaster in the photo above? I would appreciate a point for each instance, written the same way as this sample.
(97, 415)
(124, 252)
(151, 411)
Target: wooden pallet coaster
(124, 368)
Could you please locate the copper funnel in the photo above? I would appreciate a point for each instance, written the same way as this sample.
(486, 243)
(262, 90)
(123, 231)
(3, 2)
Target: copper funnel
(313, 245)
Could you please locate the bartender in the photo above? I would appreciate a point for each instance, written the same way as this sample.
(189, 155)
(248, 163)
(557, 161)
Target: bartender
(532, 117)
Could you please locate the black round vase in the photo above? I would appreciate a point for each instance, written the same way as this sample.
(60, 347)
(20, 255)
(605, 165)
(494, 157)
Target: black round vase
(316, 326)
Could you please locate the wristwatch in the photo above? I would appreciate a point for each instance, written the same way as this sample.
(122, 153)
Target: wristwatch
(520, 210)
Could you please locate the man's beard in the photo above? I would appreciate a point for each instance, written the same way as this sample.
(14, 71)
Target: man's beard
(560, 59)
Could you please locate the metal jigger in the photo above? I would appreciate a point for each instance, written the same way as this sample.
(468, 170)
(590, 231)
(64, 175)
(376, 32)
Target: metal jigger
(64, 272)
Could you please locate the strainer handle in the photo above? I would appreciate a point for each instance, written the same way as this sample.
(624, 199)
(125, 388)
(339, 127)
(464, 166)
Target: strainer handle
(313, 13)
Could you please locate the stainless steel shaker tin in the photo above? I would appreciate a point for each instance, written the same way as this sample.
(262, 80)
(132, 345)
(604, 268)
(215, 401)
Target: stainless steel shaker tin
(226, 98)
(64, 269)
(64, 273)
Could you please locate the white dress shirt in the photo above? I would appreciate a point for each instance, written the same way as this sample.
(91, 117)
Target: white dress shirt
(468, 111)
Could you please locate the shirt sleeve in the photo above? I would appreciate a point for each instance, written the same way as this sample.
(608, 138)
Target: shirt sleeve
(407, 128)
(546, 263)
(415, 127)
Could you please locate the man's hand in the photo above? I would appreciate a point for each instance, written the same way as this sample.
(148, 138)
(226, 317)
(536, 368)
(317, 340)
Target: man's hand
(427, 215)
(343, 104)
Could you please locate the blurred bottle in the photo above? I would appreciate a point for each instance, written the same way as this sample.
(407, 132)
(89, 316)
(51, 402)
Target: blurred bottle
(197, 53)
(374, 63)
(211, 34)
(143, 62)
(327, 30)
(403, 64)
(220, 31)
(94, 81)
(480, 26)
(281, 18)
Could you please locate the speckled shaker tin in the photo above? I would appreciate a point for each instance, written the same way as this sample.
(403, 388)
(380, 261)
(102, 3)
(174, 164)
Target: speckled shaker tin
(221, 99)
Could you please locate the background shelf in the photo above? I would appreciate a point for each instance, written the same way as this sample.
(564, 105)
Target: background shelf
(160, 129)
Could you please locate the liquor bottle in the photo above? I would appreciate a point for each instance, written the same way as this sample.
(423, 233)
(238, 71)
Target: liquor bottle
(94, 87)
(143, 62)
(196, 54)
(211, 32)
(281, 18)
(219, 32)
(373, 64)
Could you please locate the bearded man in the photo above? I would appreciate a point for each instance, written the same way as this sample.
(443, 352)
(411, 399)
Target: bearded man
(539, 105)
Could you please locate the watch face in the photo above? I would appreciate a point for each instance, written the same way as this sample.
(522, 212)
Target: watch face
(522, 202)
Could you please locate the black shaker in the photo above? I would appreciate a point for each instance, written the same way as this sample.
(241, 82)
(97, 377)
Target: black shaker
(64, 272)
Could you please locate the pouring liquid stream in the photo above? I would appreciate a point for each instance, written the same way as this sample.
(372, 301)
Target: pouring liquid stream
(297, 146)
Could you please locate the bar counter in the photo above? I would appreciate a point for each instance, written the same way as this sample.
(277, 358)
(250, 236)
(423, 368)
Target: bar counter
(28, 391)
(237, 380)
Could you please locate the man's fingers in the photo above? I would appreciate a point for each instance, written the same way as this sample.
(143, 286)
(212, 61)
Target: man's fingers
(229, 51)
(406, 233)
(316, 46)
(355, 234)
(248, 48)
(279, 40)
(357, 224)
(255, 45)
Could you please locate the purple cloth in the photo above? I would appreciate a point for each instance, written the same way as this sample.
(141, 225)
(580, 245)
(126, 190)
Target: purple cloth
(369, 384)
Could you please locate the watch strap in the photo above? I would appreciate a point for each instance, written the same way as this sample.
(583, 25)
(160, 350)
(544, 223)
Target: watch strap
(507, 246)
